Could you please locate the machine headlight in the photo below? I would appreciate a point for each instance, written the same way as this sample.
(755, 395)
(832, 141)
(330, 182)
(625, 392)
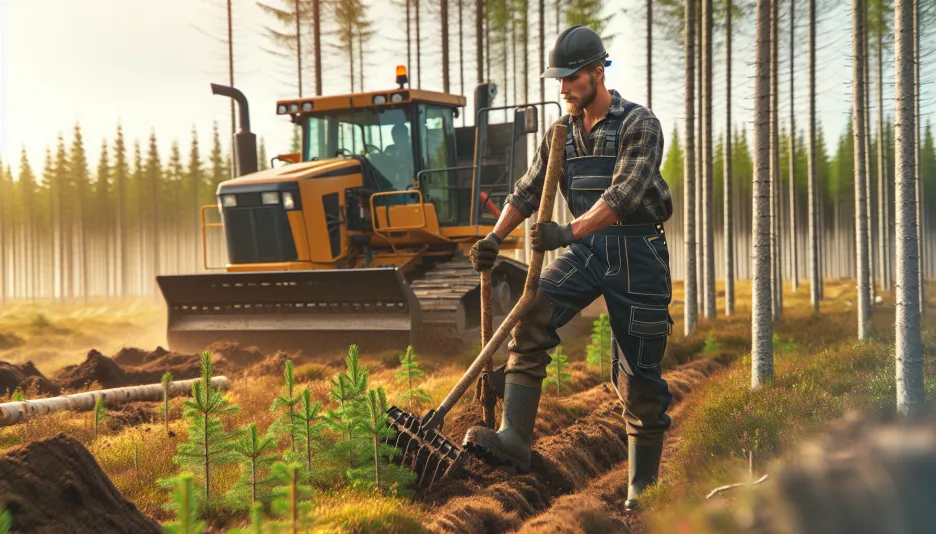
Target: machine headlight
(288, 202)
(396, 97)
(294, 108)
(307, 106)
(229, 201)
(380, 99)
(270, 198)
(281, 109)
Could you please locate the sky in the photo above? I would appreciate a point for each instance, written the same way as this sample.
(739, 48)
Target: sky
(148, 66)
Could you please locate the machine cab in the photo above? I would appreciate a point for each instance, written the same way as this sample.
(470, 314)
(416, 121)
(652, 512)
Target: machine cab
(409, 140)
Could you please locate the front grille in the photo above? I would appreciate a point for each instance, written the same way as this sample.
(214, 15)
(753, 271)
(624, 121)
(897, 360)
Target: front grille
(258, 234)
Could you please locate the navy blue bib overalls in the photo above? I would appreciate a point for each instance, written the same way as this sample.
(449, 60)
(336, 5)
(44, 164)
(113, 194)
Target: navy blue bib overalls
(629, 266)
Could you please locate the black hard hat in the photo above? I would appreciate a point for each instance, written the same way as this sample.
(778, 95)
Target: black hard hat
(574, 48)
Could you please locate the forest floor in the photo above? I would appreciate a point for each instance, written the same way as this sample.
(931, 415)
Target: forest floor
(579, 478)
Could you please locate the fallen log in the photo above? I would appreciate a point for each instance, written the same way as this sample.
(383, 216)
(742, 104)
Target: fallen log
(12, 413)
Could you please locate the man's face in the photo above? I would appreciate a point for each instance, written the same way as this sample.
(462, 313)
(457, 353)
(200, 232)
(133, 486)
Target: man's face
(579, 91)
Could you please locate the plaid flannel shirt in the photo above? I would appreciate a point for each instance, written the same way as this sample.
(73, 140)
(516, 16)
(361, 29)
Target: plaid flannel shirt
(638, 193)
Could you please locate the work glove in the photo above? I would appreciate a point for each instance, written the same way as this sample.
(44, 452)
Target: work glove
(550, 236)
(484, 252)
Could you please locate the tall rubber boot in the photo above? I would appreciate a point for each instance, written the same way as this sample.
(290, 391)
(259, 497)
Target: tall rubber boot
(643, 466)
(511, 444)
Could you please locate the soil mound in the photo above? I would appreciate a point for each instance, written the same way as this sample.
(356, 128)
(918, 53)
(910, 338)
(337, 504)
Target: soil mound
(9, 341)
(583, 515)
(56, 485)
(131, 414)
(95, 368)
(575, 447)
(236, 357)
(24, 376)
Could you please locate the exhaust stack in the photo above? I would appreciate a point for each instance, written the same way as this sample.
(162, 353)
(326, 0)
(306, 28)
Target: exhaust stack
(245, 142)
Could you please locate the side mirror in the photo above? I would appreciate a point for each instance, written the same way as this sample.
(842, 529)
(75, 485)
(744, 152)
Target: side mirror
(530, 120)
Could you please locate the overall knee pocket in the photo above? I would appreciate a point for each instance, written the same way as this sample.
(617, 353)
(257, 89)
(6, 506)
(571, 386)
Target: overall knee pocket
(650, 327)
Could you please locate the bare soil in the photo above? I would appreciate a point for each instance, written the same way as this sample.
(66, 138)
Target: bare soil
(573, 453)
(55, 485)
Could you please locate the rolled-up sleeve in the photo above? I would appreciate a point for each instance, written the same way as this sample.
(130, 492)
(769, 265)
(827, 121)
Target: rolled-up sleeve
(529, 188)
(636, 170)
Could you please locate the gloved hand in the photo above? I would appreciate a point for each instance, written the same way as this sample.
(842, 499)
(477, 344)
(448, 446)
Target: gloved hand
(484, 252)
(550, 236)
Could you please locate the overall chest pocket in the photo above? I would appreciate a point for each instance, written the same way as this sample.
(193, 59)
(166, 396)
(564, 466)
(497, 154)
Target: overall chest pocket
(585, 191)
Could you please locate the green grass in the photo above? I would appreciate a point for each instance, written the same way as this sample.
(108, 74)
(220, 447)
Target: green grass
(727, 420)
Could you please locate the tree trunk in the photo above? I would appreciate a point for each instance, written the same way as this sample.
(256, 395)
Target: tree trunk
(689, 172)
(761, 325)
(230, 43)
(708, 227)
(699, 140)
(883, 204)
(418, 50)
(813, 197)
(909, 347)
(445, 45)
(920, 213)
(317, 38)
(542, 62)
(861, 216)
(794, 256)
(776, 266)
(866, 117)
(12, 413)
(650, 54)
(729, 197)
(479, 38)
(461, 54)
(298, 49)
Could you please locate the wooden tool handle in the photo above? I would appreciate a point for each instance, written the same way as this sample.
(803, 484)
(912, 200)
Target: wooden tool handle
(553, 172)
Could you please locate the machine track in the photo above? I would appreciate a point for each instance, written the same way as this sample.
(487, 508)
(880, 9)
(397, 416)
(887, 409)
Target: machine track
(449, 295)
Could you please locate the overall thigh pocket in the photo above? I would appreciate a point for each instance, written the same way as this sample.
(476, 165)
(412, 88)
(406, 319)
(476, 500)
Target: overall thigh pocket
(651, 327)
(647, 261)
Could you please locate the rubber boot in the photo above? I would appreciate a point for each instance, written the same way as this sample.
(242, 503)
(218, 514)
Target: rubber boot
(511, 444)
(643, 466)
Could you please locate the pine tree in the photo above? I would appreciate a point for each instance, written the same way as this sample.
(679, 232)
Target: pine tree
(348, 390)
(104, 219)
(209, 444)
(287, 402)
(411, 373)
(153, 177)
(382, 474)
(120, 208)
(309, 425)
(79, 175)
(288, 498)
(600, 348)
(590, 13)
(557, 372)
(175, 181)
(195, 178)
(185, 504)
(256, 455)
(262, 157)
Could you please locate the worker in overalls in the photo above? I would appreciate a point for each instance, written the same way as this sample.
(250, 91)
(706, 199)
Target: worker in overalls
(616, 248)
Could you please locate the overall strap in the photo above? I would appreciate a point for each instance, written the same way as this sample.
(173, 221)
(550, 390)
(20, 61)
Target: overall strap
(611, 137)
(570, 140)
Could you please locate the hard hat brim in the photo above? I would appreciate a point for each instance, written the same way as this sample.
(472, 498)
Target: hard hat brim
(560, 72)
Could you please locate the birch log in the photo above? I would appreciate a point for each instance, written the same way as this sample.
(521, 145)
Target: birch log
(12, 413)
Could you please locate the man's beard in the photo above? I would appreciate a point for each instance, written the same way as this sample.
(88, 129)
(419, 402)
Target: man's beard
(576, 109)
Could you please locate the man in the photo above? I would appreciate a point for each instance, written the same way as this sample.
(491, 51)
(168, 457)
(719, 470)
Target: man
(612, 184)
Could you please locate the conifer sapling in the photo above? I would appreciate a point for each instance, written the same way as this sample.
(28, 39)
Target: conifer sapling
(287, 402)
(166, 380)
(558, 372)
(411, 374)
(185, 505)
(256, 454)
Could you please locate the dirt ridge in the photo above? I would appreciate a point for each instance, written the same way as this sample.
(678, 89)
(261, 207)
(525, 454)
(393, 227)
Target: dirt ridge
(564, 462)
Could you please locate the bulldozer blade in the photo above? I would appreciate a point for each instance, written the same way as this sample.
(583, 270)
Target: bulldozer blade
(291, 309)
(428, 453)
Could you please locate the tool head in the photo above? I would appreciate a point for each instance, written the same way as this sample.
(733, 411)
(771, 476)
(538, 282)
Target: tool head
(426, 451)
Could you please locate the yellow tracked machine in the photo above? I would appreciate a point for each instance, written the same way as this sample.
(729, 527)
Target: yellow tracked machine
(363, 237)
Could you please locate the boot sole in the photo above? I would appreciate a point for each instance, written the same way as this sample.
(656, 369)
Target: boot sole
(486, 448)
